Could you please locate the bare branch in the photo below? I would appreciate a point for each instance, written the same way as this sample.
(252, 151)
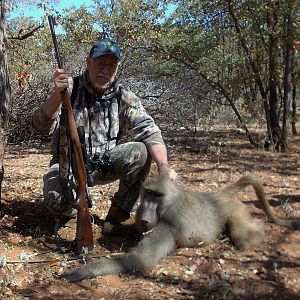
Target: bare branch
(26, 35)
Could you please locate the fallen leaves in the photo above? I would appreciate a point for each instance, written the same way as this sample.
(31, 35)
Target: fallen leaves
(7, 221)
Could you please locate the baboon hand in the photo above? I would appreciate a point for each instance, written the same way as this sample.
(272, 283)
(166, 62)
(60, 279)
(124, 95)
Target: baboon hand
(172, 175)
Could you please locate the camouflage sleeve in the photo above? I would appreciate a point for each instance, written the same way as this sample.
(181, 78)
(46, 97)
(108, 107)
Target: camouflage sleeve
(41, 123)
(135, 117)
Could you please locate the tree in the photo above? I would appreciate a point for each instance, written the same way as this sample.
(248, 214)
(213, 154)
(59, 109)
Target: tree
(244, 50)
(273, 28)
(4, 89)
(31, 62)
(200, 59)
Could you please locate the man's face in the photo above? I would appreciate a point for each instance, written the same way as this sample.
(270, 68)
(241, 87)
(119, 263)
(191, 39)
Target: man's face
(102, 71)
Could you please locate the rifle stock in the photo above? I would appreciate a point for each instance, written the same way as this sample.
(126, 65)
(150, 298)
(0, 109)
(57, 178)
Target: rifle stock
(84, 232)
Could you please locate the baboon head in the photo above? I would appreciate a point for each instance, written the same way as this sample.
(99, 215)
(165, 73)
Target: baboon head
(157, 195)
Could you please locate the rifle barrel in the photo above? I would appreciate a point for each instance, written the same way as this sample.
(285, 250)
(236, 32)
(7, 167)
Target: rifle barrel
(51, 20)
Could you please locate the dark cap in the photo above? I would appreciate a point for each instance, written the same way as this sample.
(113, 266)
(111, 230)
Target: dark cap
(106, 46)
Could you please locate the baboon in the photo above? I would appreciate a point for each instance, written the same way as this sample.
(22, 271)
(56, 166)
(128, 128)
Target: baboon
(185, 218)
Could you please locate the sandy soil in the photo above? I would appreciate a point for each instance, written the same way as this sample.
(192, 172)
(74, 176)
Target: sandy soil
(31, 264)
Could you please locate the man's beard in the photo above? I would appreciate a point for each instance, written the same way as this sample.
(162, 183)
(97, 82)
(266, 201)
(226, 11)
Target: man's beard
(101, 87)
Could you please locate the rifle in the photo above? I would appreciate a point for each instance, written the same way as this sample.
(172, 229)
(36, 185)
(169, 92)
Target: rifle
(84, 232)
(87, 163)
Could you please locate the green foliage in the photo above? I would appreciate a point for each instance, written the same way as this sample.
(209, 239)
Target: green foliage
(234, 49)
(79, 26)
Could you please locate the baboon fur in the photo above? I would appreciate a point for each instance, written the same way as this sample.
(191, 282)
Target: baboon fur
(185, 218)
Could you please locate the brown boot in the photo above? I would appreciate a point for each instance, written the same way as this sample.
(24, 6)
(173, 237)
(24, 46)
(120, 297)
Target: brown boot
(116, 215)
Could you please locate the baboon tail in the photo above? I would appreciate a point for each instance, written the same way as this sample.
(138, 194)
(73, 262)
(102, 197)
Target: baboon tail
(250, 179)
(156, 244)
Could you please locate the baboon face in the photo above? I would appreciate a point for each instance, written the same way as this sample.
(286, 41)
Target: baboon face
(156, 197)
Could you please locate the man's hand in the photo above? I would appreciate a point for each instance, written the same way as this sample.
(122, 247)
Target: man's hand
(164, 168)
(159, 155)
(52, 104)
(61, 81)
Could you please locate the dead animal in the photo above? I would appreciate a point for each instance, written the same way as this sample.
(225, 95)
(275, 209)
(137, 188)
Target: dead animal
(185, 218)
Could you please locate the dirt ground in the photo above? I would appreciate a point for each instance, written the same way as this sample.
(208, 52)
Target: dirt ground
(31, 264)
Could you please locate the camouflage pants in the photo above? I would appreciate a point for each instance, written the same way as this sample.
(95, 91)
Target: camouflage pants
(130, 163)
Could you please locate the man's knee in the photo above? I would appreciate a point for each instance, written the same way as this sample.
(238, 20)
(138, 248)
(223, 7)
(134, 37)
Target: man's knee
(55, 199)
(52, 172)
(137, 153)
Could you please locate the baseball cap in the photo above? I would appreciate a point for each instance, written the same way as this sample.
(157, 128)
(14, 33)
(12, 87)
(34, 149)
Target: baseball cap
(106, 46)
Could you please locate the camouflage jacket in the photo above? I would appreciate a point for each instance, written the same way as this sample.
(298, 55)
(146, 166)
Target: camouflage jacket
(104, 120)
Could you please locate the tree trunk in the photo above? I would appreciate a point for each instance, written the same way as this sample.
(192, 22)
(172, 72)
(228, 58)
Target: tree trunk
(294, 109)
(287, 76)
(294, 95)
(4, 90)
(273, 95)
